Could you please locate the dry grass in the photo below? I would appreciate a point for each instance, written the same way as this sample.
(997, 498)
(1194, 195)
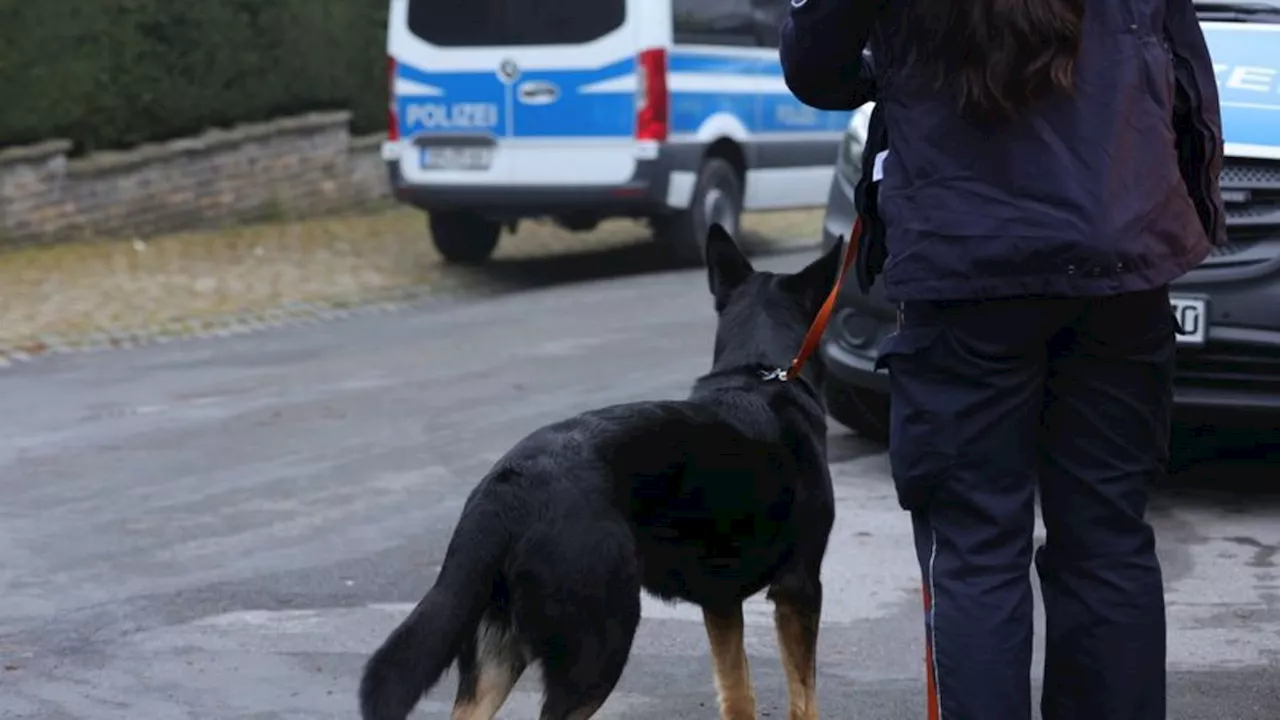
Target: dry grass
(76, 289)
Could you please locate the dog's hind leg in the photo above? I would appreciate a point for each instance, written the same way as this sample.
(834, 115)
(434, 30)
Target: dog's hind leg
(796, 616)
(729, 662)
(579, 603)
(488, 668)
(589, 642)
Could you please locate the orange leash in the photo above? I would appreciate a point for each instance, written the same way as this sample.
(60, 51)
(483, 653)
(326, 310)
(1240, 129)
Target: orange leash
(819, 326)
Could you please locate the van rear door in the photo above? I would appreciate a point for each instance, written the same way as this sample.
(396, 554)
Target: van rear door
(515, 92)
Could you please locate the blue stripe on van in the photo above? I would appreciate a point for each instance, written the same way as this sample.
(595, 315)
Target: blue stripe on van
(475, 101)
(784, 114)
(707, 63)
(690, 109)
(1247, 62)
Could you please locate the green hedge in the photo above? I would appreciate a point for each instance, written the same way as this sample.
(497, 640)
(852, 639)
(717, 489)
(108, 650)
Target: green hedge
(115, 73)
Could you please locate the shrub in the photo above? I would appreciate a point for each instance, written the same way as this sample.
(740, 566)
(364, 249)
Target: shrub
(115, 73)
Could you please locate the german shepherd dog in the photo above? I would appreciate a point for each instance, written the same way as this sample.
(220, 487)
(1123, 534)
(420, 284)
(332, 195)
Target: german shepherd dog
(707, 500)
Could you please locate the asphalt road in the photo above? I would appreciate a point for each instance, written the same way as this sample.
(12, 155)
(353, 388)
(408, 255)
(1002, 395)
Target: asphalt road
(225, 528)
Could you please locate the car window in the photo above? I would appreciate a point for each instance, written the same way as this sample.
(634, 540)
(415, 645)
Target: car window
(715, 22)
(470, 23)
(1273, 3)
(769, 15)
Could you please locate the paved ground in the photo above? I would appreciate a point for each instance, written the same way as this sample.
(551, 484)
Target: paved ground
(224, 528)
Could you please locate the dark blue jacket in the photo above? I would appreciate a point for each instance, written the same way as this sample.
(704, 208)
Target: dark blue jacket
(1112, 190)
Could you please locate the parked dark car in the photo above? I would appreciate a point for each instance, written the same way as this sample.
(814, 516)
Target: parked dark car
(1229, 306)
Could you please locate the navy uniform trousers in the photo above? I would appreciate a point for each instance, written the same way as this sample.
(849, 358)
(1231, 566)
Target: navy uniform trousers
(995, 401)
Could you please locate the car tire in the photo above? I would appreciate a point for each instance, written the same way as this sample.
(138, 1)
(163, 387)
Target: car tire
(717, 197)
(464, 238)
(862, 410)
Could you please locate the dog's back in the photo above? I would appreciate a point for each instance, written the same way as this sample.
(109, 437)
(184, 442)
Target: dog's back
(692, 500)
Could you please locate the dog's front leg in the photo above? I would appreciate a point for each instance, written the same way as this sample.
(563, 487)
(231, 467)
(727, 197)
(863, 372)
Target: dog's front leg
(796, 615)
(729, 662)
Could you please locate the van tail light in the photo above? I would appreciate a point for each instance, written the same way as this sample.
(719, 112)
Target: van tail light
(393, 118)
(652, 98)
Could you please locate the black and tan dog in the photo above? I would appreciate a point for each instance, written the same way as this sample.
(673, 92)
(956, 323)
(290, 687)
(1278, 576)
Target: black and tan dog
(706, 500)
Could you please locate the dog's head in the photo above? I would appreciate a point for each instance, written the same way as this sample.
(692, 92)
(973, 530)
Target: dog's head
(762, 316)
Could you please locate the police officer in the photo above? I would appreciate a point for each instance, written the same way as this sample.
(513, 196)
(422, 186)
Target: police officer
(1051, 166)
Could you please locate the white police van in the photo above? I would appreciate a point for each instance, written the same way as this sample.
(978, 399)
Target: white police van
(580, 110)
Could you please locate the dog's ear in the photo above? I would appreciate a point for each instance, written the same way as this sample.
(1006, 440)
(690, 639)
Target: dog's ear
(727, 267)
(815, 280)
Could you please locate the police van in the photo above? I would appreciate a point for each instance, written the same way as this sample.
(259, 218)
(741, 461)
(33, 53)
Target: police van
(579, 110)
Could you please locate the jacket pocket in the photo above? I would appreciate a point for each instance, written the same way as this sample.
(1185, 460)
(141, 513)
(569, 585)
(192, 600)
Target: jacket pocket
(919, 458)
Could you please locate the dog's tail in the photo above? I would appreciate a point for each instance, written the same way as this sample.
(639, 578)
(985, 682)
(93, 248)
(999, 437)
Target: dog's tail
(416, 654)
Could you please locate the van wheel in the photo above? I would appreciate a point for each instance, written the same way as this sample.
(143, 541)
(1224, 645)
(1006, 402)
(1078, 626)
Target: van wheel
(717, 198)
(464, 238)
(863, 411)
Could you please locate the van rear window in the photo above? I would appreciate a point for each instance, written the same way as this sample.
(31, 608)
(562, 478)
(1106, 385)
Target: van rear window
(469, 23)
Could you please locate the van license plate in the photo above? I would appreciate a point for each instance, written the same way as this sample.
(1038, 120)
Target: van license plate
(1193, 319)
(445, 157)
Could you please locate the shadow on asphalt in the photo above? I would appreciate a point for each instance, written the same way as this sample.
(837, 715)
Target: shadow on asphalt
(1224, 465)
(844, 445)
(642, 257)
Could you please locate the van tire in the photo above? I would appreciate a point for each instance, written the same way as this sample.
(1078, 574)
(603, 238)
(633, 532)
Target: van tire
(862, 410)
(464, 238)
(717, 197)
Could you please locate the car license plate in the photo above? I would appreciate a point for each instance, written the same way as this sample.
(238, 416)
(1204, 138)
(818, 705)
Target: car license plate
(463, 157)
(1192, 319)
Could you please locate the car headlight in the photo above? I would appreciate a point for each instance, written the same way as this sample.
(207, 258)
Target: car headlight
(853, 142)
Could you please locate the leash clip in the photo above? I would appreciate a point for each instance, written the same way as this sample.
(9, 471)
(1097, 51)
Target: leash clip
(775, 374)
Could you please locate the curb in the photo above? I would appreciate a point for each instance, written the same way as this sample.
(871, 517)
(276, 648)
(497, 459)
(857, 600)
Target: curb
(293, 314)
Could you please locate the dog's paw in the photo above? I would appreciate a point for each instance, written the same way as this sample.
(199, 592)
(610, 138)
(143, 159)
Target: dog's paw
(738, 710)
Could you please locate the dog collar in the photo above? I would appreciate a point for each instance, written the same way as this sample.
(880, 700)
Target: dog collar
(768, 375)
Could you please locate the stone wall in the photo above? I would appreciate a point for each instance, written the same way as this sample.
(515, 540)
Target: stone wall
(289, 167)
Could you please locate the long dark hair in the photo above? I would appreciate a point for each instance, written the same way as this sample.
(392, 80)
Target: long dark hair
(1000, 56)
